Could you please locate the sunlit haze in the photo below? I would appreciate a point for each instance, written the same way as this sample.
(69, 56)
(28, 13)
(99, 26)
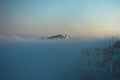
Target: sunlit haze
(96, 18)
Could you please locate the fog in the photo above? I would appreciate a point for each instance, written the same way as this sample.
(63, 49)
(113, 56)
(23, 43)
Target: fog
(44, 59)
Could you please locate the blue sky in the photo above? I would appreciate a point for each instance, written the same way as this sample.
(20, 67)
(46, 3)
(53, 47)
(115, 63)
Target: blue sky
(47, 17)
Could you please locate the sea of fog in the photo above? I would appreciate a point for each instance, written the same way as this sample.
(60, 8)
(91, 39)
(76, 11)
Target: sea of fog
(44, 59)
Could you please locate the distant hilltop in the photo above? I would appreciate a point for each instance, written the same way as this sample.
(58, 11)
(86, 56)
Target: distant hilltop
(32, 37)
(59, 36)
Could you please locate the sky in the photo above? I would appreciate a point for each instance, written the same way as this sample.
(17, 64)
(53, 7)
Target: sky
(96, 18)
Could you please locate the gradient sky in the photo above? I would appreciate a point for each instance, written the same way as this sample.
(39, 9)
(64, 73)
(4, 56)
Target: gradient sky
(48, 17)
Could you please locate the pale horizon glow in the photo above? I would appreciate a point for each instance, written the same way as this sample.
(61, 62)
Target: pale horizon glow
(96, 18)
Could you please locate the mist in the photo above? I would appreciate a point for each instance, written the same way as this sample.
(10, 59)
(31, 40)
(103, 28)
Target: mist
(44, 59)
